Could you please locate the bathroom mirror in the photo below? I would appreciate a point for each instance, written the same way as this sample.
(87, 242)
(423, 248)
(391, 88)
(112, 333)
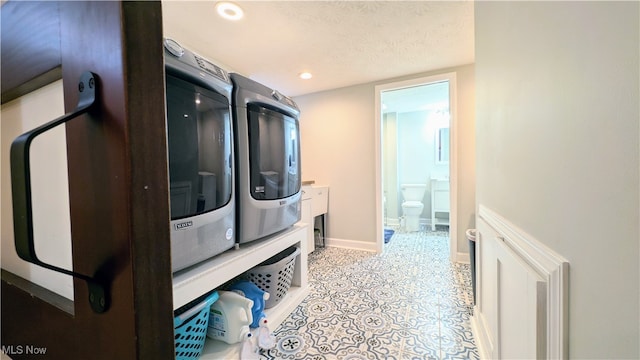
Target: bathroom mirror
(442, 145)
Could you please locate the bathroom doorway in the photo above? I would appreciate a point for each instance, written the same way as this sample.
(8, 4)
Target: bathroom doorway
(415, 133)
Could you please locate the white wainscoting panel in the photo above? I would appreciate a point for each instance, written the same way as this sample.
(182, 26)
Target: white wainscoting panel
(521, 307)
(522, 286)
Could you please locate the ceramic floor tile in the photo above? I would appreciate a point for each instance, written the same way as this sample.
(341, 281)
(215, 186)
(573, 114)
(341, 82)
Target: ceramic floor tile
(408, 303)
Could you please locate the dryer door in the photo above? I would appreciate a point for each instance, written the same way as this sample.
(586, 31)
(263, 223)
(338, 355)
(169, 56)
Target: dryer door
(274, 154)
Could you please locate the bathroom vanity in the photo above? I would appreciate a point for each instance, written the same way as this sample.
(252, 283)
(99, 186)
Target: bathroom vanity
(440, 202)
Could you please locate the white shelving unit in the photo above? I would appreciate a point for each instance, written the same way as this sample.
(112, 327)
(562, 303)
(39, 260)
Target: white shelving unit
(193, 282)
(439, 202)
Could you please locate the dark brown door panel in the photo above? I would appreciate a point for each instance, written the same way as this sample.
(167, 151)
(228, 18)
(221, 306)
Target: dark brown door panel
(117, 168)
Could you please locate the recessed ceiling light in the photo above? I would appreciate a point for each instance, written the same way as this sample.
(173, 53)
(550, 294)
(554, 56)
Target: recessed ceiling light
(229, 10)
(305, 75)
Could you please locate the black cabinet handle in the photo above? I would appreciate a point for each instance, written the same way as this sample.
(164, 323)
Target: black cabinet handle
(21, 192)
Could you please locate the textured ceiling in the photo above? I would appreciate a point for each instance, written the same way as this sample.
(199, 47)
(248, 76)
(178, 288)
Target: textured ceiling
(341, 42)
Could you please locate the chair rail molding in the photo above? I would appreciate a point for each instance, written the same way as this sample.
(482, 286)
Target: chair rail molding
(551, 267)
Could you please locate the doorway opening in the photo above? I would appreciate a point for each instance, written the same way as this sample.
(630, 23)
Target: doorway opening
(416, 156)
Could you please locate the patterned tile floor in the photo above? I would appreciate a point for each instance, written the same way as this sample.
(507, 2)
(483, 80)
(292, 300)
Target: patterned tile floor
(410, 302)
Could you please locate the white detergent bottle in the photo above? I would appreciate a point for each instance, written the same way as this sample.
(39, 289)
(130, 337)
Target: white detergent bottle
(230, 317)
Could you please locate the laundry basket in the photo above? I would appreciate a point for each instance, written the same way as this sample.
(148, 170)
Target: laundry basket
(190, 329)
(275, 275)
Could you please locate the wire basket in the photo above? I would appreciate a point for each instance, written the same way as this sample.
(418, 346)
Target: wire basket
(275, 275)
(190, 329)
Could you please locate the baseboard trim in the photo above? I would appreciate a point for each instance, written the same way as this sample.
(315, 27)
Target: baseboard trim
(351, 244)
(463, 258)
(478, 328)
(393, 222)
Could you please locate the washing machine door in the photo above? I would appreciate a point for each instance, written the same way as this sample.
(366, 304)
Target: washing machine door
(200, 145)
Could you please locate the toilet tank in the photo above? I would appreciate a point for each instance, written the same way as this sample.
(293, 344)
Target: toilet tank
(413, 192)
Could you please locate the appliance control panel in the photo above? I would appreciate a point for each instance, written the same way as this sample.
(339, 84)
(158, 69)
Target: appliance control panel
(283, 99)
(211, 68)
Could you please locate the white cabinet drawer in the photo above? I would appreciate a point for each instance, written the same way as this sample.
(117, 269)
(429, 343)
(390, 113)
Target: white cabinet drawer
(320, 200)
(307, 192)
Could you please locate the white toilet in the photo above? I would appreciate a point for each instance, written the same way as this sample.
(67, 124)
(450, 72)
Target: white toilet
(412, 205)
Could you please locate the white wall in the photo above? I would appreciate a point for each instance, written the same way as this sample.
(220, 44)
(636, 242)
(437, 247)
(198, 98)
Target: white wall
(558, 150)
(50, 188)
(416, 156)
(466, 145)
(338, 149)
